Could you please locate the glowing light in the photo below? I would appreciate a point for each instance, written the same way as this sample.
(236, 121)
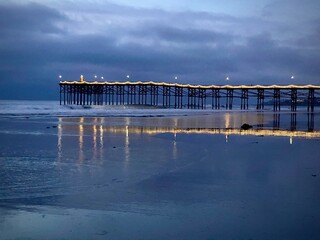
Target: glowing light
(128, 76)
(102, 78)
(60, 76)
(292, 77)
(227, 78)
(175, 77)
(95, 76)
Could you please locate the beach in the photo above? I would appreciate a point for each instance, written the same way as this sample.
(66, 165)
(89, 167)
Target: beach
(159, 174)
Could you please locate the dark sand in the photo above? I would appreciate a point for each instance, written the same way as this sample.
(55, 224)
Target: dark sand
(160, 178)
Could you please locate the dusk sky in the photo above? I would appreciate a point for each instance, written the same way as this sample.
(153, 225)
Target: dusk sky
(199, 41)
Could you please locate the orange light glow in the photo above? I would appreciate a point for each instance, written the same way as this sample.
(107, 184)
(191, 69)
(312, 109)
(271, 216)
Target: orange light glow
(195, 86)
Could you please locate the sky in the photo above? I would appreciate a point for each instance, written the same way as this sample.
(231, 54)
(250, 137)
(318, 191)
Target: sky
(196, 41)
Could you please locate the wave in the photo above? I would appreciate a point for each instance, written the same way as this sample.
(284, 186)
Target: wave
(54, 109)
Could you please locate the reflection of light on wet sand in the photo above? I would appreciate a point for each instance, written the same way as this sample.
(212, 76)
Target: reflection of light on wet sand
(126, 148)
(176, 125)
(127, 121)
(227, 120)
(174, 149)
(175, 120)
(81, 139)
(94, 142)
(59, 145)
(101, 141)
(254, 132)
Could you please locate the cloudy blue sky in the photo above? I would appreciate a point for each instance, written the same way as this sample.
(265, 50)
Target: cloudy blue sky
(200, 41)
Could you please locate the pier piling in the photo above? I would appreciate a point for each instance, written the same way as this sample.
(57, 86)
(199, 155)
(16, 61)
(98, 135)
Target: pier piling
(181, 95)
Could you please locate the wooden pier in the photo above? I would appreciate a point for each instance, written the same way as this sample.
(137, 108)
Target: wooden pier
(169, 95)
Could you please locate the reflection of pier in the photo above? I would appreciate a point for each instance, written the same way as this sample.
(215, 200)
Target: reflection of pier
(81, 129)
(99, 129)
(92, 131)
(185, 95)
(253, 132)
(293, 121)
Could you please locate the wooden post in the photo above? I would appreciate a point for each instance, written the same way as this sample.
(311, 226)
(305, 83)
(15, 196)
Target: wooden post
(294, 99)
(311, 99)
(276, 100)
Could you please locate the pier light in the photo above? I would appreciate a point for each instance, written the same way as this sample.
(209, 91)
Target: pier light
(102, 78)
(128, 76)
(292, 77)
(176, 78)
(60, 76)
(227, 78)
(95, 76)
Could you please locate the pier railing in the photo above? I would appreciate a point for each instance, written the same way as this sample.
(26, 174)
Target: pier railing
(188, 96)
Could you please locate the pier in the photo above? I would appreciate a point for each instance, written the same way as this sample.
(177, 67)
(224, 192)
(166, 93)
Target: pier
(173, 95)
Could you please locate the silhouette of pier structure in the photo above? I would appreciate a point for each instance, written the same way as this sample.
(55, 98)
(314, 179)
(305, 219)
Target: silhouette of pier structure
(170, 95)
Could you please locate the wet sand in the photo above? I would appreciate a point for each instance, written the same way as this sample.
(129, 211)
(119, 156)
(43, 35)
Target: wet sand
(181, 177)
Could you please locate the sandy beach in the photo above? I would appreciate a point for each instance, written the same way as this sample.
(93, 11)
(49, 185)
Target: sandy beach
(169, 177)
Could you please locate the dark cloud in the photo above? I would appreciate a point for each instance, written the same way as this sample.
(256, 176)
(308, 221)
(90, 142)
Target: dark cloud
(39, 42)
(27, 35)
(29, 18)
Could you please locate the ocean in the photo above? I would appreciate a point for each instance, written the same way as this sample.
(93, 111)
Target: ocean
(118, 172)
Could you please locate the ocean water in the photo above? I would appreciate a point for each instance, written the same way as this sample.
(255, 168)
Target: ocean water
(11, 108)
(54, 109)
(132, 173)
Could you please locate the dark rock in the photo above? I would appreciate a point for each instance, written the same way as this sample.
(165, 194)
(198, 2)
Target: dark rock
(246, 126)
(114, 146)
(102, 233)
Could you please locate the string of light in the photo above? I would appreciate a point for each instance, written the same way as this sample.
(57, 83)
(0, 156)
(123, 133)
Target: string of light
(196, 86)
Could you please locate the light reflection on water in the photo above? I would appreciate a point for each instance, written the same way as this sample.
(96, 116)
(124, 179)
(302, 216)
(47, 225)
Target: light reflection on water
(101, 140)
(266, 125)
(182, 174)
(126, 147)
(175, 147)
(81, 140)
(59, 145)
